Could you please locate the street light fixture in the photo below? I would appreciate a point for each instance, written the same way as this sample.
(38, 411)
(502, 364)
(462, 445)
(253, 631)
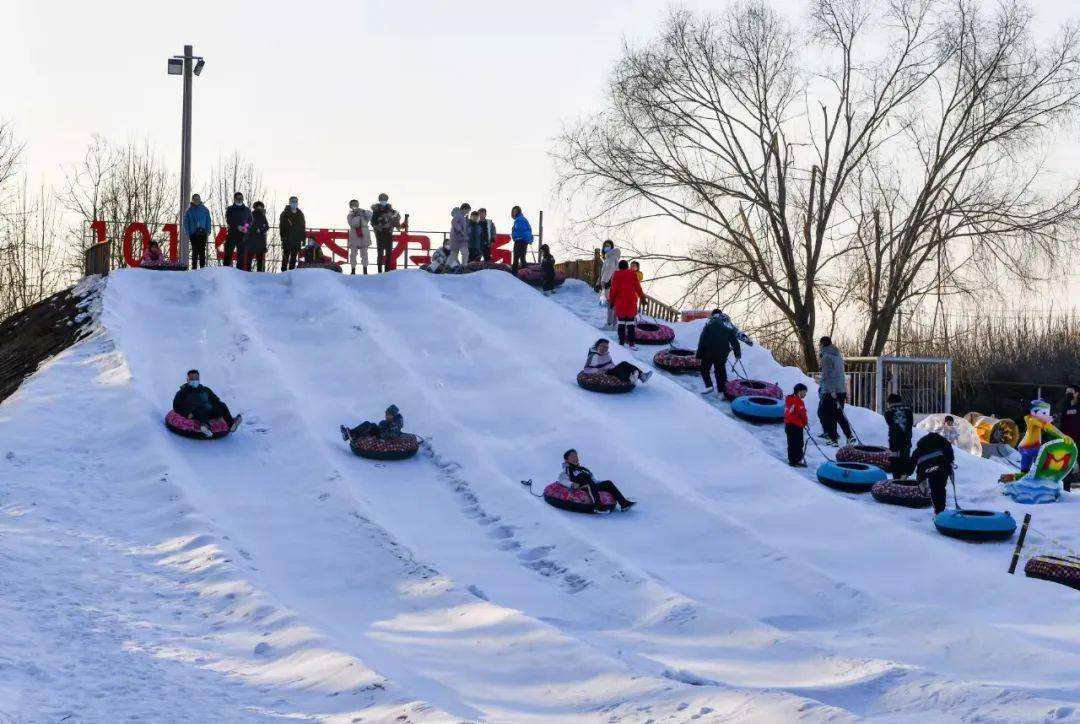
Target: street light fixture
(182, 65)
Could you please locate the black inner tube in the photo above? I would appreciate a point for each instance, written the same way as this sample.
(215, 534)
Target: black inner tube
(754, 384)
(647, 327)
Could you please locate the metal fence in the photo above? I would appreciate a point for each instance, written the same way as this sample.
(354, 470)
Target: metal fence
(925, 383)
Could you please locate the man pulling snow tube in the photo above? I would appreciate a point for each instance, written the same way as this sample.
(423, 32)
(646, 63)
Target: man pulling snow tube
(576, 501)
(765, 410)
(850, 477)
(872, 454)
(373, 447)
(678, 361)
(975, 525)
(607, 384)
(533, 276)
(1057, 569)
(900, 492)
(734, 389)
(180, 425)
(649, 333)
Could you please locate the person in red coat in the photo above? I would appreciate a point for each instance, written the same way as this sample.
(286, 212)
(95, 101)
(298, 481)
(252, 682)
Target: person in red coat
(795, 421)
(623, 296)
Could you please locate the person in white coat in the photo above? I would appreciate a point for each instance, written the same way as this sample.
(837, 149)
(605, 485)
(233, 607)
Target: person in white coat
(359, 221)
(610, 265)
(442, 261)
(459, 234)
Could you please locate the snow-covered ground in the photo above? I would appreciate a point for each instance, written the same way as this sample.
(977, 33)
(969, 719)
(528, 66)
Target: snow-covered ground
(273, 574)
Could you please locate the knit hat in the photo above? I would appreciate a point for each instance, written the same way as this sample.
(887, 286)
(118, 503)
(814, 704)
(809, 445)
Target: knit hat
(392, 410)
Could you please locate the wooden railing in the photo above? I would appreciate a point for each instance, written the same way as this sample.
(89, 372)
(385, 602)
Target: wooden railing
(588, 271)
(97, 258)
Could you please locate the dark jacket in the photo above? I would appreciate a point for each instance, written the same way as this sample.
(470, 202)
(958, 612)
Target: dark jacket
(188, 399)
(197, 219)
(578, 474)
(237, 216)
(547, 267)
(260, 226)
(933, 455)
(390, 430)
(384, 218)
(477, 234)
(1070, 421)
(718, 339)
(901, 420)
(292, 229)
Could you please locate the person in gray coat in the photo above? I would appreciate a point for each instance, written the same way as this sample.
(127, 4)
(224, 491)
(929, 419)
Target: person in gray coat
(832, 393)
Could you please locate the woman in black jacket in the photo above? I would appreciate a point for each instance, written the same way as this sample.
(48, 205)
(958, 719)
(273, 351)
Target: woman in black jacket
(255, 244)
(293, 231)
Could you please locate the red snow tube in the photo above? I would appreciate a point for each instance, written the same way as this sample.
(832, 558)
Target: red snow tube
(900, 492)
(331, 265)
(649, 333)
(603, 383)
(373, 447)
(677, 361)
(474, 266)
(576, 501)
(871, 454)
(165, 265)
(532, 275)
(190, 428)
(752, 388)
(1064, 570)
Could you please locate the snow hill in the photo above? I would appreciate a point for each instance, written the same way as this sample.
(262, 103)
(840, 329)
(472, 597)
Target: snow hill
(275, 575)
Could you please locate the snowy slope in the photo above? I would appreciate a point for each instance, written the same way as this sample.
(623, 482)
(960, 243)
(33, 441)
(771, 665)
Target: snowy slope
(274, 574)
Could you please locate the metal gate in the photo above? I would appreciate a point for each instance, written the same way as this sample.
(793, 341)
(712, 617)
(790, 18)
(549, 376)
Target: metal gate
(925, 383)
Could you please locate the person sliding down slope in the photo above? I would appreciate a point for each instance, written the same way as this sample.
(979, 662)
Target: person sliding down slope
(574, 476)
(718, 339)
(386, 429)
(199, 403)
(598, 362)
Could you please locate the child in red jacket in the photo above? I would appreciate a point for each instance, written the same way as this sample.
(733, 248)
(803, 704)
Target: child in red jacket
(795, 421)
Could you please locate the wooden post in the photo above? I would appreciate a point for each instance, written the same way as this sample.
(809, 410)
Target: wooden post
(596, 264)
(1019, 543)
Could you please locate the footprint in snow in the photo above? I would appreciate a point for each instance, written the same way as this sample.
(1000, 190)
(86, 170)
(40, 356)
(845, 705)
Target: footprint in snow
(324, 496)
(500, 533)
(477, 592)
(535, 553)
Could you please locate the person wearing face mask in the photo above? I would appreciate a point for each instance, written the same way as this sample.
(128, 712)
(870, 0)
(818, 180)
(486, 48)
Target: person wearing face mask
(384, 219)
(199, 403)
(197, 227)
(238, 221)
(610, 265)
(255, 242)
(1070, 425)
(293, 231)
(359, 234)
(521, 234)
(459, 234)
(477, 232)
(441, 263)
(488, 239)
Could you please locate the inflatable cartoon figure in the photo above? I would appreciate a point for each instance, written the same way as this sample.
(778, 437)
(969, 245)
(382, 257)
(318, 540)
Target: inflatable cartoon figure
(1043, 465)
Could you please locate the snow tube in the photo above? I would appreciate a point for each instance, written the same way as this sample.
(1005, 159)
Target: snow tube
(331, 265)
(372, 447)
(873, 454)
(531, 274)
(474, 266)
(190, 428)
(677, 361)
(900, 492)
(1063, 570)
(975, 525)
(165, 265)
(576, 501)
(603, 383)
(752, 388)
(850, 477)
(758, 409)
(649, 333)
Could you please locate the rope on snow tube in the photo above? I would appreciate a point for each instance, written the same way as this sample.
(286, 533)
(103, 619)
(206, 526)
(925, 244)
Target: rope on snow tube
(767, 410)
(373, 447)
(752, 388)
(975, 525)
(677, 361)
(607, 384)
(576, 501)
(1057, 569)
(872, 454)
(900, 492)
(184, 427)
(850, 477)
(650, 333)
(531, 275)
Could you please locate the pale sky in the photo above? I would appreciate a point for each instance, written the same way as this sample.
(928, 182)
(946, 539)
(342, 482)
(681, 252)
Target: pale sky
(435, 103)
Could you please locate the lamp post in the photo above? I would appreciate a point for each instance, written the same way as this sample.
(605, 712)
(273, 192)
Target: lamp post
(182, 65)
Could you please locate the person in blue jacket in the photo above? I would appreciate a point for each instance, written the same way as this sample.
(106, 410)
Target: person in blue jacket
(197, 225)
(522, 236)
(238, 220)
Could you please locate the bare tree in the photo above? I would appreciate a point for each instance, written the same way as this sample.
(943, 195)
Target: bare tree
(725, 126)
(31, 264)
(11, 150)
(231, 174)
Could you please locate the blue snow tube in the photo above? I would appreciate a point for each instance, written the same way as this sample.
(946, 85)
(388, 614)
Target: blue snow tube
(850, 477)
(977, 525)
(758, 409)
